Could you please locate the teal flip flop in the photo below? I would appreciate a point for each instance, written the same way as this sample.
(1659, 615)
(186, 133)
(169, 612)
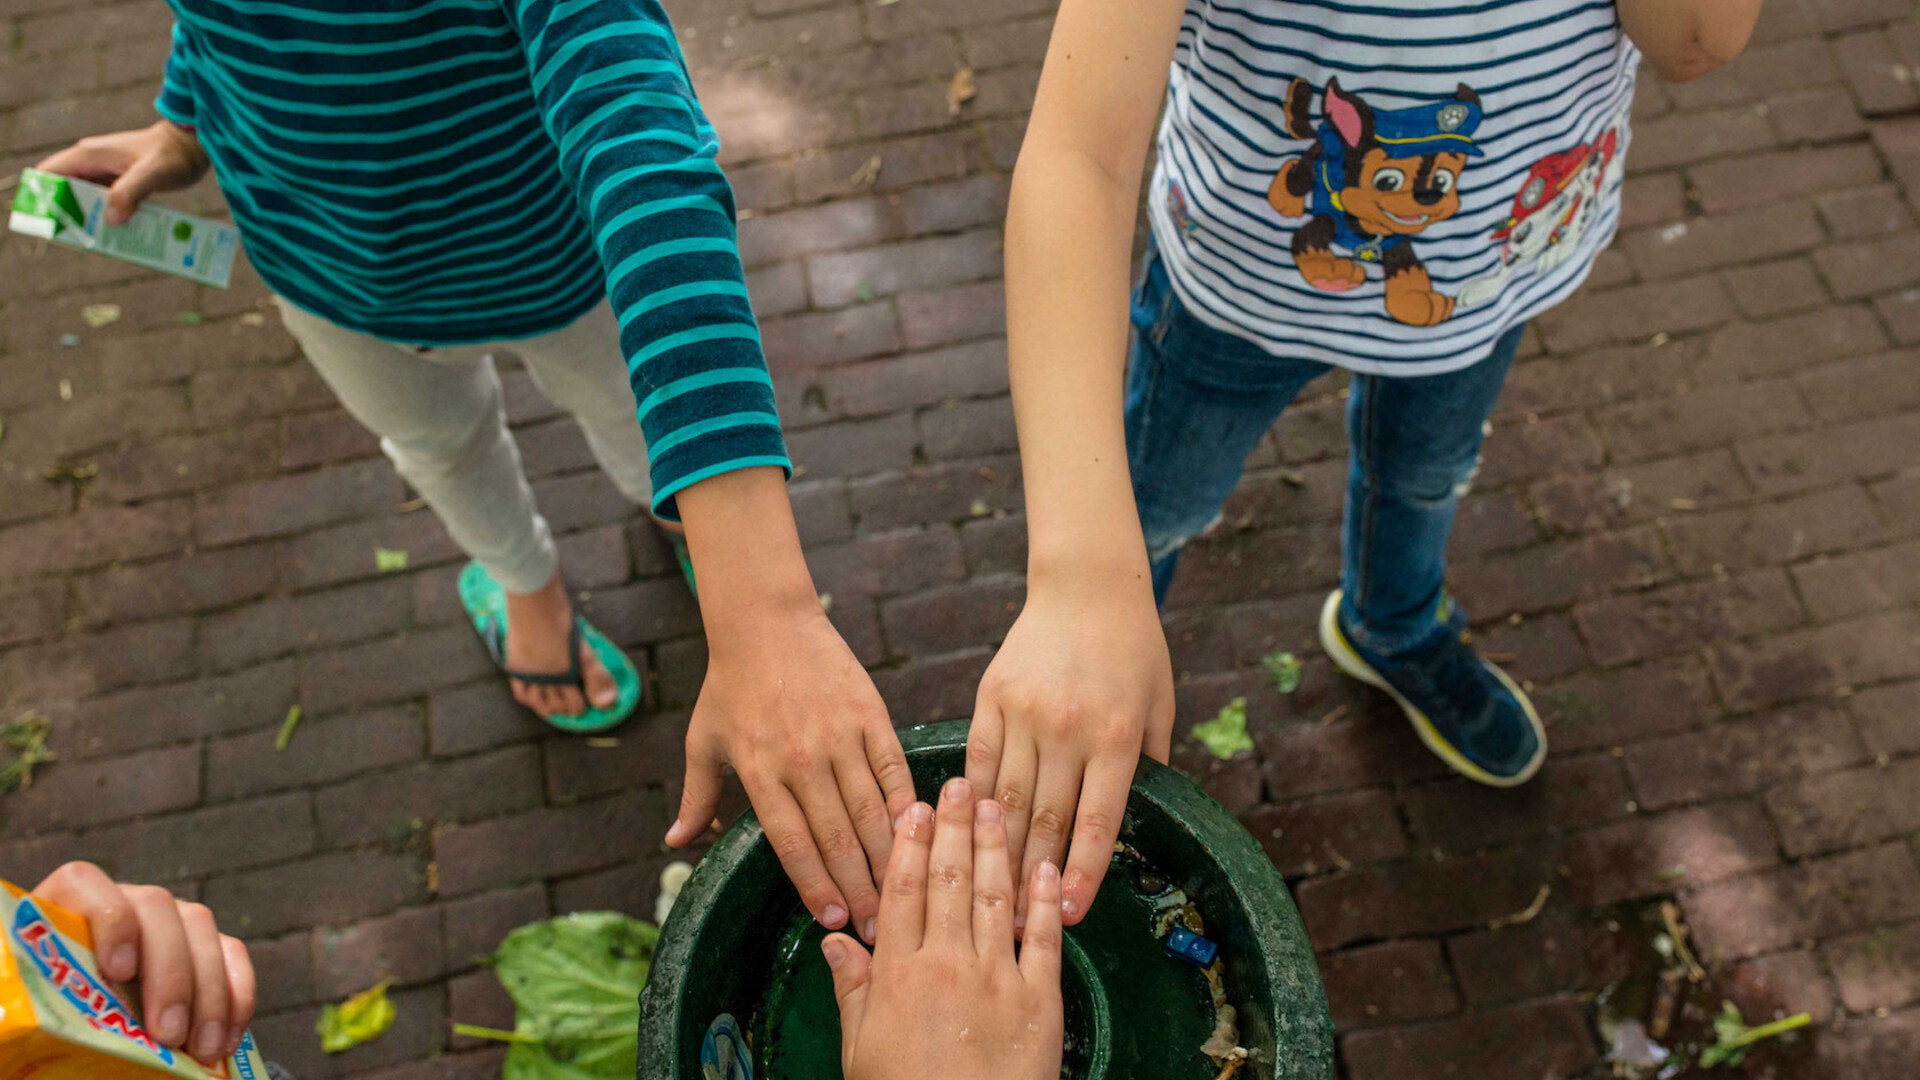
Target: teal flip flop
(486, 605)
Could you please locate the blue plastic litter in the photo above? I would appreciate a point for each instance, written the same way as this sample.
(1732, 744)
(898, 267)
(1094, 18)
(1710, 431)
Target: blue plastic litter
(1191, 947)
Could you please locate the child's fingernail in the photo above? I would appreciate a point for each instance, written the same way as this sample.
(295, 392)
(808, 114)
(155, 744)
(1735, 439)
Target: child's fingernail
(1070, 909)
(871, 929)
(207, 1044)
(1048, 873)
(125, 963)
(988, 812)
(833, 916)
(921, 813)
(835, 952)
(172, 1028)
(958, 790)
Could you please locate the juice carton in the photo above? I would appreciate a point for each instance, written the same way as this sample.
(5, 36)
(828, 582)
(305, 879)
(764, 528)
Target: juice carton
(73, 213)
(60, 1020)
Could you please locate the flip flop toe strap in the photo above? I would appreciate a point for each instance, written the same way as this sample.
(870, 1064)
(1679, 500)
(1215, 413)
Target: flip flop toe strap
(573, 676)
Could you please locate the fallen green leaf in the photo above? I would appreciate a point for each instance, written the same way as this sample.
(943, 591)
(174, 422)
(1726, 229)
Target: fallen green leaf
(361, 1018)
(1226, 735)
(27, 735)
(189, 318)
(1732, 1036)
(1284, 669)
(575, 982)
(292, 721)
(863, 293)
(387, 560)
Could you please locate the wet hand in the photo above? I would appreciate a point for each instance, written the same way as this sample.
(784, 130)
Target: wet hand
(1082, 687)
(196, 984)
(942, 994)
(134, 164)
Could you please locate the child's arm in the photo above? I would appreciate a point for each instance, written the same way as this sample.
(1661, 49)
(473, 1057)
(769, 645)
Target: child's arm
(1083, 684)
(1685, 39)
(785, 702)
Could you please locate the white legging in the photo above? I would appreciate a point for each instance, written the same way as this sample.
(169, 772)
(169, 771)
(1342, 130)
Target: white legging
(441, 417)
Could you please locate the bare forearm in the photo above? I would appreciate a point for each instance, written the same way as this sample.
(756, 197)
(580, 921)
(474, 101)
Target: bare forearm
(1685, 39)
(1069, 234)
(746, 550)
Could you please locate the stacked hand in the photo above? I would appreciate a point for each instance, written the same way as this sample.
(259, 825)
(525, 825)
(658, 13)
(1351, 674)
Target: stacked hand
(942, 994)
(196, 984)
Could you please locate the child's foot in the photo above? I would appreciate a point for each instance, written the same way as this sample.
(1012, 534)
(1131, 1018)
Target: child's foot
(1467, 711)
(539, 625)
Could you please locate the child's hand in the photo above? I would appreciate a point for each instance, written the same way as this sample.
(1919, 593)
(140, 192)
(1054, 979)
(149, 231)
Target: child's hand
(1082, 687)
(787, 705)
(135, 164)
(196, 984)
(942, 994)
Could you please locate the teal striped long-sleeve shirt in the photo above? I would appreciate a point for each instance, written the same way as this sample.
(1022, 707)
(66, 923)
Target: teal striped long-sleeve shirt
(459, 171)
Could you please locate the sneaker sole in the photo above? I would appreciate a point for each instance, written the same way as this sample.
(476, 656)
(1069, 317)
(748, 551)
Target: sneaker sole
(1348, 660)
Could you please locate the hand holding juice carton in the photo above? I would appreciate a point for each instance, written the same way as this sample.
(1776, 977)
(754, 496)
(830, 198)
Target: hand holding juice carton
(60, 1018)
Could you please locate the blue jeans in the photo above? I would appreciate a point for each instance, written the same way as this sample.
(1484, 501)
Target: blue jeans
(1198, 402)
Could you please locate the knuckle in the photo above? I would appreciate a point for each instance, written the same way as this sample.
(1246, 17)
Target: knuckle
(982, 754)
(1099, 822)
(1011, 799)
(836, 842)
(1048, 821)
(992, 898)
(195, 915)
(1044, 938)
(791, 847)
(904, 885)
(949, 875)
(868, 816)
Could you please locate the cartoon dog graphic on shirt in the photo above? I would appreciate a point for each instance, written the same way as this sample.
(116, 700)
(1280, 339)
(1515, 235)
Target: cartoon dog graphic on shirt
(1371, 181)
(1560, 197)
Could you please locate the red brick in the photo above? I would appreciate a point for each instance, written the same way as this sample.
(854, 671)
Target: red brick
(79, 794)
(94, 537)
(649, 751)
(1901, 311)
(1759, 71)
(322, 889)
(1741, 236)
(1889, 717)
(1776, 288)
(391, 805)
(1736, 184)
(418, 1033)
(1845, 14)
(32, 611)
(202, 842)
(1637, 626)
(1600, 376)
(821, 512)
(548, 842)
(1898, 502)
(1637, 311)
(83, 29)
(838, 279)
(947, 155)
(224, 398)
(280, 968)
(766, 185)
(643, 612)
(949, 492)
(478, 716)
(1685, 138)
(1262, 626)
(314, 620)
(595, 558)
(581, 500)
(1865, 267)
(780, 289)
(893, 22)
(1458, 816)
(477, 998)
(326, 438)
(1216, 568)
(323, 749)
(1809, 662)
(25, 496)
(1544, 647)
(1746, 350)
(391, 669)
(1652, 200)
(187, 463)
(1743, 756)
(1805, 901)
(937, 688)
(553, 446)
(254, 698)
(475, 925)
(1864, 212)
(1848, 809)
(918, 379)
(1388, 984)
(854, 447)
(1650, 855)
(404, 946)
(1795, 462)
(74, 667)
(964, 204)
(1869, 386)
(1784, 984)
(1821, 115)
(837, 226)
(1574, 503)
(1880, 83)
(1879, 969)
(1520, 1042)
(946, 619)
(1549, 955)
(799, 342)
(1308, 836)
(1861, 582)
(1711, 417)
(296, 503)
(1771, 533)
(1872, 1048)
(1420, 896)
(343, 553)
(1553, 575)
(928, 319)
(1529, 449)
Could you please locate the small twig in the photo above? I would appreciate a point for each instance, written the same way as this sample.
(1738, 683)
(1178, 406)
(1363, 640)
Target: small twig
(1670, 914)
(1336, 714)
(1526, 914)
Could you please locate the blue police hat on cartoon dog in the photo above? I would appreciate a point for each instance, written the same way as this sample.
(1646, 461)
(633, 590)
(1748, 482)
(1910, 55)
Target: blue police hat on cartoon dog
(1437, 128)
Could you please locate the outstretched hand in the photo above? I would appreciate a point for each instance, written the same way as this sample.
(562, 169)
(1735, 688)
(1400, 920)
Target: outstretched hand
(942, 994)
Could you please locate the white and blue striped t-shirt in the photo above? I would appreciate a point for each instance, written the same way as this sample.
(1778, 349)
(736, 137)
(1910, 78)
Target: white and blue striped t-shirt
(1389, 188)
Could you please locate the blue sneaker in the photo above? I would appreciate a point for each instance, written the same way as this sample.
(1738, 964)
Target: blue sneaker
(1467, 711)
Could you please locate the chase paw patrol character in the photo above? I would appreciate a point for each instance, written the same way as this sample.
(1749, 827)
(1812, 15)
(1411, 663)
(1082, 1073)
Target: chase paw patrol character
(1371, 181)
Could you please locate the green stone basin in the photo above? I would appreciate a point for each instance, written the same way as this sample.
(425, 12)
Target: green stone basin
(739, 943)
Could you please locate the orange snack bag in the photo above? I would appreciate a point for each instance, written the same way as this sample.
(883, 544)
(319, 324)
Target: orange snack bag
(60, 1020)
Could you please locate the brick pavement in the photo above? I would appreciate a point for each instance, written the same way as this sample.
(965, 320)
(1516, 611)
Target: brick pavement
(1696, 536)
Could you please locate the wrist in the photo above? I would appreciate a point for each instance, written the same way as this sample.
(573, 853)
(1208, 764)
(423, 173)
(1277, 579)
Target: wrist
(746, 553)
